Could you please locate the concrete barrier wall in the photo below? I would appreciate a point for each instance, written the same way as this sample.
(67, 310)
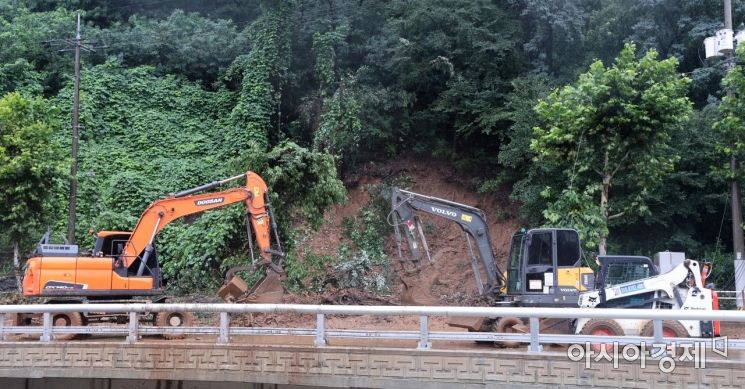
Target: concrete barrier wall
(107, 383)
(341, 366)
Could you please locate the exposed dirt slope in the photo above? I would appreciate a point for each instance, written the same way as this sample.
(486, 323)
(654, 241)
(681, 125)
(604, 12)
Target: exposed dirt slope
(450, 278)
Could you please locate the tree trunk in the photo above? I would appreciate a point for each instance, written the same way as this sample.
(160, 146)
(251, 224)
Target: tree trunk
(604, 206)
(549, 49)
(17, 265)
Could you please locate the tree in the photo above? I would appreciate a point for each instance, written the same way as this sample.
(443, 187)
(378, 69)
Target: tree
(263, 74)
(448, 64)
(28, 164)
(26, 63)
(731, 126)
(556, 30)
(614, 126)
(183, 43)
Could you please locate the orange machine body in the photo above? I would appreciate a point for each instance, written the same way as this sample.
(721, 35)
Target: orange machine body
(115, 267)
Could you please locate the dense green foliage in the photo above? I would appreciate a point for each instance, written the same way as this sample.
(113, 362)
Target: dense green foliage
(731, 125)
(29, 163)
(305, 92)
(615, 124)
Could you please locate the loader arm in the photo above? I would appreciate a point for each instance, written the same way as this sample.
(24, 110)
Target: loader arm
(164, 211)
(471, 220)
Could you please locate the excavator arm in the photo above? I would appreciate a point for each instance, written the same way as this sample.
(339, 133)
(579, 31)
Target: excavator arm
(472, 220)
(160, 213)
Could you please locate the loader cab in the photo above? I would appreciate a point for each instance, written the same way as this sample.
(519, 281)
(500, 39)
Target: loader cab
(619, 269)
(545, 267)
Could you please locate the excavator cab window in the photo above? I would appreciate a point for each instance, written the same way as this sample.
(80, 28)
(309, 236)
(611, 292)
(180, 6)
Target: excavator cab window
(515, 266)
(540, 261)
(117, 246)
(567, 248)
(112, 245)
(539, 252)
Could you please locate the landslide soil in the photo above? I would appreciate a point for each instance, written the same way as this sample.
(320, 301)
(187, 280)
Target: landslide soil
(448, 280)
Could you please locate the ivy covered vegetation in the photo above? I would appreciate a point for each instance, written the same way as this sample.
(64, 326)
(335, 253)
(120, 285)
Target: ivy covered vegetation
(599, 115)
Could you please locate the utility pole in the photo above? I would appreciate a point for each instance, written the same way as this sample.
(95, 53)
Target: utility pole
(76, 45)
(737, 235)
(74, 165)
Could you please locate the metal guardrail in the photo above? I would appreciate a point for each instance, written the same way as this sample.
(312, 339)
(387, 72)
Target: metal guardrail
(424, 336)
(729, 294)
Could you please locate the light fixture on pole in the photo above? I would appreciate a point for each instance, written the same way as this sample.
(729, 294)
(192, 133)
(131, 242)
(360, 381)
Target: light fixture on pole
(723, 43)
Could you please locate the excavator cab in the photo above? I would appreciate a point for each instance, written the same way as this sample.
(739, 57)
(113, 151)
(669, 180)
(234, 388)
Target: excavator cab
(544, 267)
(110, 243)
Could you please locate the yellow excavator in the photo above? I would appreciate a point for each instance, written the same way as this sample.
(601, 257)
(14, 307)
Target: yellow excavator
(544, 267)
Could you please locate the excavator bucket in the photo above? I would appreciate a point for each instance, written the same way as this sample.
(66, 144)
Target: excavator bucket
(416, 295)
(233, 290)
(267, 290)
(417, 291)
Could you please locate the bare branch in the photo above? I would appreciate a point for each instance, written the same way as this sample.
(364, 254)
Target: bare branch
(620, 163)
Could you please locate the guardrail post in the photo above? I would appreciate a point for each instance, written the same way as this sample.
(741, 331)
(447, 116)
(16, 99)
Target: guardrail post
(46, 334)
(657, 334)
(320, 330)
(424, 342)
(657, 330)
(535, 344)
(224, 328)
(133, 327)
(3, 335)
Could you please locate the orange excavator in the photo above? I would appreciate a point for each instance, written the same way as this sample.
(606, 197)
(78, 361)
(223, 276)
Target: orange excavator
(123, 266)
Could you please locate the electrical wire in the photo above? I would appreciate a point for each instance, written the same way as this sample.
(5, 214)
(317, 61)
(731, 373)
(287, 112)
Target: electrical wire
(576, 157)
(721, 225)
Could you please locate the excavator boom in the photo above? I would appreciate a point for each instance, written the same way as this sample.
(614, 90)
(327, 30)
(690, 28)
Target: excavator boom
(160, 213)
(472, 220)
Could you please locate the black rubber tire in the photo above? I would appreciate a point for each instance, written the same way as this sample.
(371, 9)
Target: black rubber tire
(504, 325)
(67, 319)
(606, 326)
(174, 319)
(672, 327)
